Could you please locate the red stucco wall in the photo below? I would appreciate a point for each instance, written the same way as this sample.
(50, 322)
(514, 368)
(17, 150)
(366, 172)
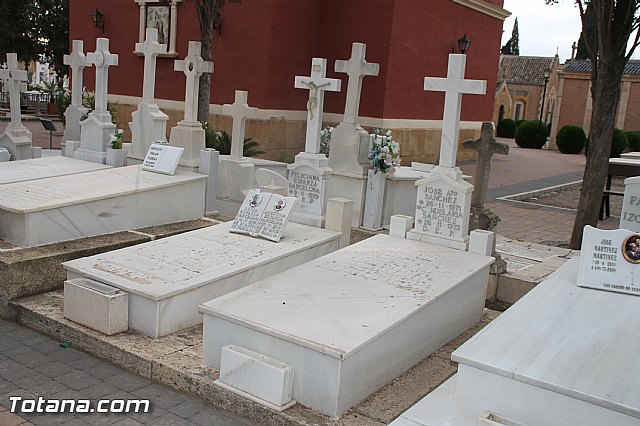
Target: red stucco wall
(266, 43)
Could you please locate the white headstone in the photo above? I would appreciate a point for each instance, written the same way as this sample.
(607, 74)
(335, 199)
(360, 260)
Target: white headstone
(357, 68)
(630, 216)
(151, 49)
(16, 138)
(162, 158)
(77, 61)
(189, 133)
(240, 111)
(317, 83)
(264, 215)
(102, 59)
(454, 86)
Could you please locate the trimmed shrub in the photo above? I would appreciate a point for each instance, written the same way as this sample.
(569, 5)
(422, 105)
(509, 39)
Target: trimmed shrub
(571, 139)
(519, 122)
(506, 128)
(634, 140)
(531, 134)
(619, 144)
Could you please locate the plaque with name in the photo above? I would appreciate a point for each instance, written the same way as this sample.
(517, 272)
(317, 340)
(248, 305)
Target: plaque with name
(263, 215)
(307, 185)
(162, 159)
(610, 260)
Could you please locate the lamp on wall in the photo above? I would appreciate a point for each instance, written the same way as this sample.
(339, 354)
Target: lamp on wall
(98, 19)
(463, 44)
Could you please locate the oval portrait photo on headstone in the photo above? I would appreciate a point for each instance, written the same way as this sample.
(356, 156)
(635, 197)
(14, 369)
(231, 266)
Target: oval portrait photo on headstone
(631, 248)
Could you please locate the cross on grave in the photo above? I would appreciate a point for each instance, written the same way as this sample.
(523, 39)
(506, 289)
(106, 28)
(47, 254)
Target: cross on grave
(150, 48)
(16, 80)
(486, 147)
(357, 68)
(76, 61)
(240, 111)
(316, 84)
(193, 67)
(454, 86)
(102, 59)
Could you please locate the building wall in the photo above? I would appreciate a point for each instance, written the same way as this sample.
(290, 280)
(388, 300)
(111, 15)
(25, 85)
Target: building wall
(574, 102)
(265, 43)
(632, 119)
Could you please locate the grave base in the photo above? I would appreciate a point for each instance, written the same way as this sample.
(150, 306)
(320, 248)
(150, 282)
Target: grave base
(95, 136)
(191, 137)
(18, 143)
(148, 126)
(94, 305)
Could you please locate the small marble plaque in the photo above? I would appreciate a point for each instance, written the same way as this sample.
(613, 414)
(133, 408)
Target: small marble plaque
(263, 215)
(610, 260)
(307, 185)
(162, 159)
(630, 216)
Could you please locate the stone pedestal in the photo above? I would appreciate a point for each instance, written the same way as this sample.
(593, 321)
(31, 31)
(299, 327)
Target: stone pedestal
(234, 178)
(191, 137)
(308, 179)
(72, 116)
(95, 136)
(374, 199)
(116, 157)
(17, 142)
(148, 126)
(209, 162)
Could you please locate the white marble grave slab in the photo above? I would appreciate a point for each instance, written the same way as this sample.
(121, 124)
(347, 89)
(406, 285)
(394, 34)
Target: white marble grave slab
(630, 216)
(168, 278)
(162, 158)
(45, 167)
(64, 208)
(383, 301)
(563, 355)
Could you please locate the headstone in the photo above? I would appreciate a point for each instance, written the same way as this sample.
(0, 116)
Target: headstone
(16, 138)
(630, 216)
(162, 158)
(240, 111)
(148, 124)
(75, 111)
(444, 198)
(309, 174)
(349, 141)
(96, 130)
(264, 215)
(189, 133)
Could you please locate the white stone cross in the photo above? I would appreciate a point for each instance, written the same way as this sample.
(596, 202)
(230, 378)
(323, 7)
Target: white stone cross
(240, 111)
(454, 87)
(356, 67)
(102, 59)
(316, 84)
(151, 49)
(15, 78)
(76, 61)
(193, 66)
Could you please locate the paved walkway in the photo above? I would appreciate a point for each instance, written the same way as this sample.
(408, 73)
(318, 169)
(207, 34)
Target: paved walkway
(33, 365)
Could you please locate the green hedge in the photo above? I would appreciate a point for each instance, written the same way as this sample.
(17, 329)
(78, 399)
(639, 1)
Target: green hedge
(619, 144)
(531, 134)
(633, 138)
(506, 128)
(571, 139)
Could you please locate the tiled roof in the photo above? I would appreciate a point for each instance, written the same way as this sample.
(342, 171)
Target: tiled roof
(523, 69)
(584, 66)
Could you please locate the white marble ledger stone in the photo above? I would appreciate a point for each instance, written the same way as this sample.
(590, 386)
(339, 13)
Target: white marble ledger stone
(104, 201)
(167, 279)
(338, 318)
(46, 167)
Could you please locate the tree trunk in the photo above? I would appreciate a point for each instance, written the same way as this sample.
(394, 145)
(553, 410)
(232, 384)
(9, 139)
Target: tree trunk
(606, 95)
(204, 94)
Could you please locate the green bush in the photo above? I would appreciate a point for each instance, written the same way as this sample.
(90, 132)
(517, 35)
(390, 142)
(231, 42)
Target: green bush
(221, 142)
(531, 134)
(619, 144)
(506, 128)
(571, 139)
(634, 140)
(519, 122)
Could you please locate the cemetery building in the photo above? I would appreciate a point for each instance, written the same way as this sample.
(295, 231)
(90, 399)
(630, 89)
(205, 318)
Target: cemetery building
(261, 45)
(574, 97)
(521, 86)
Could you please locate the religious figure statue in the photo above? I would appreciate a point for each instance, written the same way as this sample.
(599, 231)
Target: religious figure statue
(312, 103)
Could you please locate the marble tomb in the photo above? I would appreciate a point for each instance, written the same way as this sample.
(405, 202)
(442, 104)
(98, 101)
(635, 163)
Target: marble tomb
(45, 167)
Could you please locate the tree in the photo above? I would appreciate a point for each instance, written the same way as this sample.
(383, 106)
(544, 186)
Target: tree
(609, 52)
(589, 29)
(52, 25)
(512, 47)
(17, 32)
(208, 16)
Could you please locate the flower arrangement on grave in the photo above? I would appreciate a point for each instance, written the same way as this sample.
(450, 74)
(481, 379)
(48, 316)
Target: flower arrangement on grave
(325, 140)
(116, 139)
(385, 152)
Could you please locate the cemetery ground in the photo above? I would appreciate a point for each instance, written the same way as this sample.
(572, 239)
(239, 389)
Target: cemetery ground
(26, 357)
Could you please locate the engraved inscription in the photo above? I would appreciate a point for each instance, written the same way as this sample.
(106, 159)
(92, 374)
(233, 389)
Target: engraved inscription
(439, 210)
(307, 187)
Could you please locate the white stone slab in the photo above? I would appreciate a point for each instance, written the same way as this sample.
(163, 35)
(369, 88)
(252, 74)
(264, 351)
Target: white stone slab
(162, 159)
(308, 181)
(67, 207)
(40, 168)
(433, 410)
(561, 355)
(336, 320)
(632, 155)
(168, 278)
(630, 216)
(93, 307)
(264, 215)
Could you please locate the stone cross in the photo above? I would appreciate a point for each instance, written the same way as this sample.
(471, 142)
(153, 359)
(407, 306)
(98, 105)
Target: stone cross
(15, 79)
(356, 67)
(193, 66)
(454, 87)
(76, 61)
(102, 59)
(240, 111)
(486, 147)
(151, 49)
(316, 84)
